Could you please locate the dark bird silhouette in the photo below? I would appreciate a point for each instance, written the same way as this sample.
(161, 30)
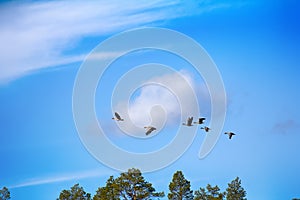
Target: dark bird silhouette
(230, 134)
(200, 121)
(117, 117)
(206, 128)
(189, 122)
(149, 129)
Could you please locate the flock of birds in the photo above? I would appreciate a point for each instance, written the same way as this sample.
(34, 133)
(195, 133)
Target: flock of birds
(189, 122)
(206, 128)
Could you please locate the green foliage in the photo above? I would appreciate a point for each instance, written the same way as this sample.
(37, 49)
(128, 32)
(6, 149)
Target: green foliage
(4, 194)
(235, 191)
(210, 193)
(180, 188)
(76, 193)
(201, 194)
(110, 191)
(130, 185)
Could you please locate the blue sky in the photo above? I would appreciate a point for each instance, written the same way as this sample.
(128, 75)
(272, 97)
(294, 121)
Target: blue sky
(255, 45)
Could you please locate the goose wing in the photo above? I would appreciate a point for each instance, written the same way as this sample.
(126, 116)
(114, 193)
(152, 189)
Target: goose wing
(231, 134)
(150, 129)
(189, 121)
(201, 120)
(117, 116)
(206, 128)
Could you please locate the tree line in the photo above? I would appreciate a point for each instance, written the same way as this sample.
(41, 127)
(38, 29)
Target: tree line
(131, 185)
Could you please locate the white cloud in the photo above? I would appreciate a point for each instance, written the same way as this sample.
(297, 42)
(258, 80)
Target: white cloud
(162, 101)
(104, 55)
(62, 178)
(36, 35)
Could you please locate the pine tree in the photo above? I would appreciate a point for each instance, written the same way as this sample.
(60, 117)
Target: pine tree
(235, 191)
(132, 185)
(180, 188)
(76, 193)
(4, 194)
(210, 193)
(110, 191)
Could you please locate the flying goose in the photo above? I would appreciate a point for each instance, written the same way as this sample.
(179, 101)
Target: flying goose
(189, 122)
(149, 129)
(200, 121)
(117, 117)
(206, 128)
(230, 134)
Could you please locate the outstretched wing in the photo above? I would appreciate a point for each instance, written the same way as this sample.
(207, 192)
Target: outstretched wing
(117, 116)
(150, 129)
(231, 134)
(201, 120)
(190, 120)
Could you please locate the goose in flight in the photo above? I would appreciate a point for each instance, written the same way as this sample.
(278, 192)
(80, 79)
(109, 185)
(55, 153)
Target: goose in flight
(117, 117)
(206, 128)
(149, 129)
(200, 121)
(189, 122)
(230, 134)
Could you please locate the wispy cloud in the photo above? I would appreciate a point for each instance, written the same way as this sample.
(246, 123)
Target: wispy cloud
(37, 35)
(61, 178)
(285, 126)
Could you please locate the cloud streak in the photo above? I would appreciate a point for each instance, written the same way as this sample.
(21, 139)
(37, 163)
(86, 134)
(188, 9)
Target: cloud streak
(37, 35)
(61, 178)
